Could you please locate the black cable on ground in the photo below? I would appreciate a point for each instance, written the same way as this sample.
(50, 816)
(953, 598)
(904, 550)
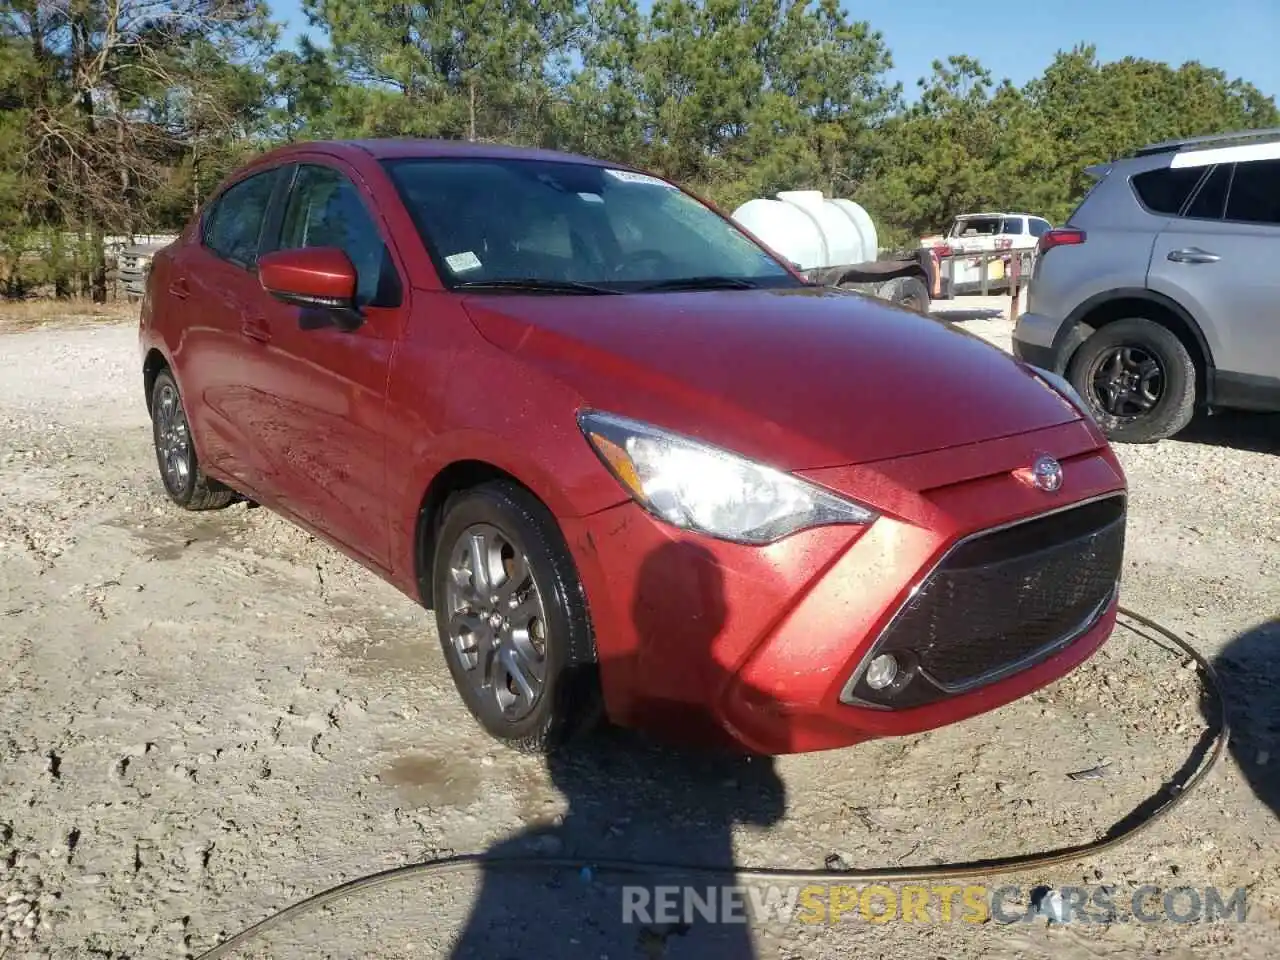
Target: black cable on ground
(1141, 819)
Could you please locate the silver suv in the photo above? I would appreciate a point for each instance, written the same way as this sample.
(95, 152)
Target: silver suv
(1161, 294)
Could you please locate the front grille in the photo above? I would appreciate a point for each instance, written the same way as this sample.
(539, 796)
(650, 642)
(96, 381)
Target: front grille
(1004, 600)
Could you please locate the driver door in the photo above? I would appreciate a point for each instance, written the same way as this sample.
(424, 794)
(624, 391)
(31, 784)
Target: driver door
(321, 414)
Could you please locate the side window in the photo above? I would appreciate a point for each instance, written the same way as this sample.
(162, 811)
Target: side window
(1012, 227)
(235, 223)
(326, 210)
(1255, 192)
(1039, 228)
(1211, 198)
(1166, 190)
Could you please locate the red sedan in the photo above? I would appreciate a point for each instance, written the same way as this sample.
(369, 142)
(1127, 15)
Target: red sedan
(627, 455)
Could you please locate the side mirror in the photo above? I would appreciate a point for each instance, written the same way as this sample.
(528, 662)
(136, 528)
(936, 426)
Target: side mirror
(317, 278)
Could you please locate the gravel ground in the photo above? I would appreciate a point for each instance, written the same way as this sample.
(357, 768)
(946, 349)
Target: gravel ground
(207, 717)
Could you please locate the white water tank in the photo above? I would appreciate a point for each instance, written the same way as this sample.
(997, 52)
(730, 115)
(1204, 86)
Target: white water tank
(810, 230)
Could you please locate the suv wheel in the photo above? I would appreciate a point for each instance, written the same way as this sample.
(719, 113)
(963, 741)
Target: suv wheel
(512, 618)
(1138, 380)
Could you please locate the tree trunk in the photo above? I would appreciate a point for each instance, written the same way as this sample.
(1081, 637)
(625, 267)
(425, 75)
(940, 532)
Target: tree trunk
(97, 256)
(195, 174)
(124, 172)
(84, 284)
(471, 85)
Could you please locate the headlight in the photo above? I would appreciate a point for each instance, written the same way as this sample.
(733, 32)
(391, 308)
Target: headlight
(699, 487)
(1064, 387)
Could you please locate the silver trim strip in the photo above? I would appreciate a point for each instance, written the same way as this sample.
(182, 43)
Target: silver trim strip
(846, 694)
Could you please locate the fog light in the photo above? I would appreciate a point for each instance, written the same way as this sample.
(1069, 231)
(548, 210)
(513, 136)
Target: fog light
(882, 671)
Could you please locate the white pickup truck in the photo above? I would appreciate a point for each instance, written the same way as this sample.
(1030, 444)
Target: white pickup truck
(987, 233)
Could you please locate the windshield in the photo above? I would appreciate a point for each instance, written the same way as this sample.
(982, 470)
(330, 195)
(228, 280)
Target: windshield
(504, 221)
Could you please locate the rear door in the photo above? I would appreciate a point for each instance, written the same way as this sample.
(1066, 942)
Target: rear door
(1221, 260)
(218, 288)
(320, 411)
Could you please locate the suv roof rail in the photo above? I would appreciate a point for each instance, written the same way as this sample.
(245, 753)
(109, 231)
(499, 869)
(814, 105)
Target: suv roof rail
(1169, 146)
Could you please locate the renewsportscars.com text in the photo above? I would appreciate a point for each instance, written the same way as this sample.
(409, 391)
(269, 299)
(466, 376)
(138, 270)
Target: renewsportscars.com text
(930, 903)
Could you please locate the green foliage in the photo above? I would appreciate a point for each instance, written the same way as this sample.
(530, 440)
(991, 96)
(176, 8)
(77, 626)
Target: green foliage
(108, 101)
(115, 120)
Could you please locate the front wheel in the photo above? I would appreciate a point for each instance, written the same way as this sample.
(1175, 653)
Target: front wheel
(512, 618)
(184, 481)
(1138, 380)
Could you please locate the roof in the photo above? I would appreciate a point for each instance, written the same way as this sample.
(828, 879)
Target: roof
(1269, 150)
(403, 148)
(971, 216)
(1217, 139)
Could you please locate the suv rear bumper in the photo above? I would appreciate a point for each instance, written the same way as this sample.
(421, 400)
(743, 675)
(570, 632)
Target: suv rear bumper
(1033, 342)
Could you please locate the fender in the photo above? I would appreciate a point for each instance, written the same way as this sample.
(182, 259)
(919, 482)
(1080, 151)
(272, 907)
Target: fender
(1064, 347)
(579, 489)
(568, 491)
(150, 368)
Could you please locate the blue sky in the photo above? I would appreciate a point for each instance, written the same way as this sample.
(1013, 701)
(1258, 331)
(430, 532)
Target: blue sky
(1018, 40)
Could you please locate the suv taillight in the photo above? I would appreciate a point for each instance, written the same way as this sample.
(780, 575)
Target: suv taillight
(1062, 237)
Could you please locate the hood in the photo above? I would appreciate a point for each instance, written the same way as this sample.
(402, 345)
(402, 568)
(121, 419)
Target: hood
(798, 378)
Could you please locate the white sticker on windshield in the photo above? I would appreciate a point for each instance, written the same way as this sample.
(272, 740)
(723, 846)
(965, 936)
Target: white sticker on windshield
(626, 176)
(591, 197)
(462, 262)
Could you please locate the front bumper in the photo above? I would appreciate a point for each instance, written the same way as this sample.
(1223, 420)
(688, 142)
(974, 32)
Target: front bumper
(729, 645)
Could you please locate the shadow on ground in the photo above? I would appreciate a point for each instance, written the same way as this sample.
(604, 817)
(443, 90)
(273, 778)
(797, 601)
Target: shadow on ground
(633, 800)
(626, 800)
(1240, 430)
(1249, 668)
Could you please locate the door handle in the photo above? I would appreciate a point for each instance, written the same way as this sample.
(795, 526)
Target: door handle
(180, 289)
(1193, 255)
(255, 328)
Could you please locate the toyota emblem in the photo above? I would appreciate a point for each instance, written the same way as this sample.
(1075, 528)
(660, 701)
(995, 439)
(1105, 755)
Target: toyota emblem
(1046, 474)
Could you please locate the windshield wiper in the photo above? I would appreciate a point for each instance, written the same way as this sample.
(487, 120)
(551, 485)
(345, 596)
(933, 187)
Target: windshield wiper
(533, 283)
(703, 283)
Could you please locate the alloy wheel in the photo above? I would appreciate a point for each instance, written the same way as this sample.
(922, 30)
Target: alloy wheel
(1127, 381)
(497, 620)
(173, 439)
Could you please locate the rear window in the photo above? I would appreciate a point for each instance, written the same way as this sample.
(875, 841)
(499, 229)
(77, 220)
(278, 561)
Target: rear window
(1166, 190)
(977, 227)
(1255, 193)
(1212, 195)
(232, 228)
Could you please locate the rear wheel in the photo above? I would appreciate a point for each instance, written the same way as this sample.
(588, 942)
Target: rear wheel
(1138, 380)
(184, 481)
(512, 618)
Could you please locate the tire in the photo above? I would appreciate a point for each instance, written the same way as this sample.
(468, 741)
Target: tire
(907, 292)
(1161, 405)
(184, 481)
(567, 702)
